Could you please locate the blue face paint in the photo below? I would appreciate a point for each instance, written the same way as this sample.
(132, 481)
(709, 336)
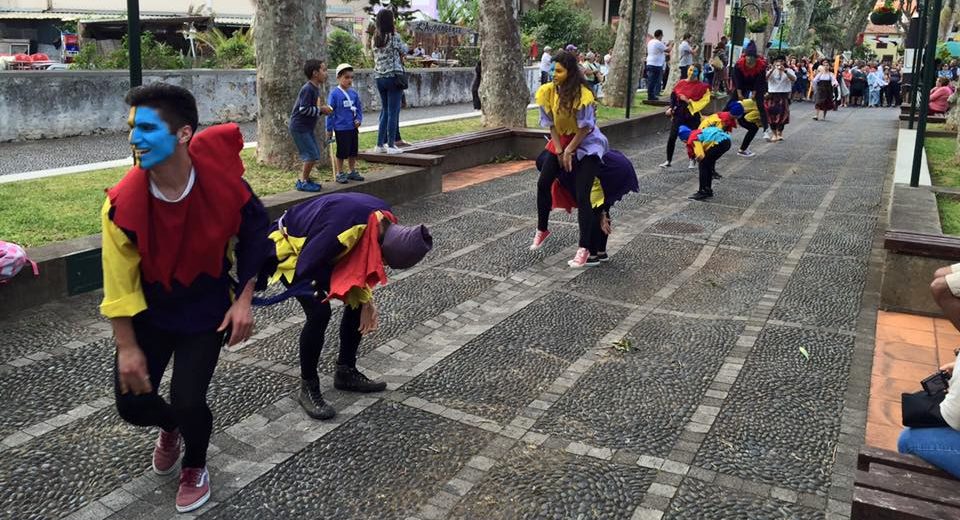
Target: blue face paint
(150, 137)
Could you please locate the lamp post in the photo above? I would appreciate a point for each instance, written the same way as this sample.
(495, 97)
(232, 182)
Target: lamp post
(738, 25)
(929, 55)
(783, 23)
(133, 42)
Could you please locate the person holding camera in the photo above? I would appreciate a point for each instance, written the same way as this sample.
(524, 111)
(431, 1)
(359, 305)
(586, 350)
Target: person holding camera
(777, 103)
(940, 446)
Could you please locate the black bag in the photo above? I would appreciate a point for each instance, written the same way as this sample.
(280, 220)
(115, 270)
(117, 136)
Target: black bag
(400, 80)
(922, 410)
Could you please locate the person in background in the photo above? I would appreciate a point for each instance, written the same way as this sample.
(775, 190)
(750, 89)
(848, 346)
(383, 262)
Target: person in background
(345, 121)
(686, 55)
(893, 87)
(436, 54)
(843, 81)
(303, 120)
(591, 71)
(722, 56)
(708, 72)
(388, 48)
(656, 61)
(939, 96)
(858, 84)
(876, 84)
(604, 70)
(419, 52)
(475, 87)
(823, 85)
(945, 71)
(546, 65)
(780, 80)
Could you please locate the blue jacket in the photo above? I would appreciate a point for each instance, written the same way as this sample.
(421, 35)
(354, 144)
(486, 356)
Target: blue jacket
(346, 110)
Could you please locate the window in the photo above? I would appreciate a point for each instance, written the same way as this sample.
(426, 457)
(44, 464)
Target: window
(14, 46)
(881, 45)
(715, 7)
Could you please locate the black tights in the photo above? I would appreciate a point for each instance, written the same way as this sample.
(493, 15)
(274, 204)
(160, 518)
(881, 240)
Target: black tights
(709, 163)
(675, 125)
(585, 171)
(194, 360)
(751, 132)
(315, 329)
(599, 237)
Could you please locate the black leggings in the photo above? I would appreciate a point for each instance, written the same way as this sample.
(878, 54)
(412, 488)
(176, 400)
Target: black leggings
(751, 132)
(585, 171)
(709, 163)
(194, 360)
(598, 237)
(675, 125)
(315, 329)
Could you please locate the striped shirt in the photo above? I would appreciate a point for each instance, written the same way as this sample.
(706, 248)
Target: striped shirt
(305, 112)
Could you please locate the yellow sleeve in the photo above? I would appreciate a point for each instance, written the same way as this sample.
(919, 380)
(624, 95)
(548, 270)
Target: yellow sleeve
(358, 296)
(698, 149)
(122, 293)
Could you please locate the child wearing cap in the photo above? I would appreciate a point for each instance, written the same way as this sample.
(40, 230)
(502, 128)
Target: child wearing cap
(336, 247)
(345, 122)
(705, 145)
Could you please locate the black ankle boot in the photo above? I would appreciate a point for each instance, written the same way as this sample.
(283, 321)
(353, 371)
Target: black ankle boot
(311, 399)
(702, 194)
(352, 380)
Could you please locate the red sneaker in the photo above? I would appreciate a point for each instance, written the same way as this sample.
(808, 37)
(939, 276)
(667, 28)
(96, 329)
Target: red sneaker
(166, 453)
(194, 489)
(579, 259)
(539, 239)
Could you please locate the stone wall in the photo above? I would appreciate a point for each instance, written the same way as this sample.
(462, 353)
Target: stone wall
(36, 105)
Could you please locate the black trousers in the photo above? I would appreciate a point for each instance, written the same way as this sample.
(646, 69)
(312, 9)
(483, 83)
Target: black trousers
(675, 125)
(709, 163)
(598, 237)
(584, 171)
(544, 78)
(751, 132)
(893, 94)
(315, 330)
(194, 360)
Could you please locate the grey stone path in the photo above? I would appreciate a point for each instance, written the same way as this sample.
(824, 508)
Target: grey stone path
(506, 398)
(28, 156)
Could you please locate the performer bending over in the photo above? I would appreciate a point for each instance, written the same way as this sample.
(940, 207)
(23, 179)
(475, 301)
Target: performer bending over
(750, 80)
(335, 247)
(707, 146)
(167, 230)
(576, 153)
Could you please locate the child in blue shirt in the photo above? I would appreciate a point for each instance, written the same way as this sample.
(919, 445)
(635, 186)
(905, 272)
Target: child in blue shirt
(345, 122)
(303, 121)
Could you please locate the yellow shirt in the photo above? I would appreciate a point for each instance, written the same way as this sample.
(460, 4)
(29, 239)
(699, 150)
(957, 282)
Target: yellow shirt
(565, 120)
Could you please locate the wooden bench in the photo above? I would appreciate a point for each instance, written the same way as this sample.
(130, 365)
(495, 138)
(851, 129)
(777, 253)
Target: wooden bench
(430, 153)
(941, 247)
(889, 486)
(932, 118)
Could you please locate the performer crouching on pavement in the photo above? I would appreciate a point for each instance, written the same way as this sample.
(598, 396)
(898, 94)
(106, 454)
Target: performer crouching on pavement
(167, 230)
(335, 247)
(577, 156)
(706, 146)
(689, 97)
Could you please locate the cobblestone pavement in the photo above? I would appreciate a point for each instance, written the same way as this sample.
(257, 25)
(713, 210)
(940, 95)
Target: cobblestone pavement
(506, 397)
(28, 156)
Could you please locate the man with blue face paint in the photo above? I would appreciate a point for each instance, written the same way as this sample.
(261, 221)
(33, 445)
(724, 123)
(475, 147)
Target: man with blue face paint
(168, 227)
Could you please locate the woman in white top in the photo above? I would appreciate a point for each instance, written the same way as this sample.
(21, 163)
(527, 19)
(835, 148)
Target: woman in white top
(823, 84)
(779, 85)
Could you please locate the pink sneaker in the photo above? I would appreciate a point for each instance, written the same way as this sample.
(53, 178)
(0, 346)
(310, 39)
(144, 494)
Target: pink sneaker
(539, 239)
(579, 259)
(166, 453)
(194, 489)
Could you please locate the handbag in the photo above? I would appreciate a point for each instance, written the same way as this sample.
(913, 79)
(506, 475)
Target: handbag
(400, 78)
(922, 410)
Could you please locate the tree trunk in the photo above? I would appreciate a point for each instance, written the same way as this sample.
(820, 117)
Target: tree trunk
(288, 33)
(799, 13)
(946, 23)
(615, 87)
(504, 94)
(855, 20)
(689, 16)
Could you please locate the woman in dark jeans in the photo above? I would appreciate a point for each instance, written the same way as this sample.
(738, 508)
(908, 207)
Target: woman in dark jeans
(388, 49)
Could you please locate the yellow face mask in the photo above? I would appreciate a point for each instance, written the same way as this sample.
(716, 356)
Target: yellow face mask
(559, 73)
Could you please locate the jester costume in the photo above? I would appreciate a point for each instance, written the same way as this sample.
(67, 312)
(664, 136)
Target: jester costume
(334, 247)
(750, 80)
(166, 265)
(707, 145)
(749, 116)
(688, 99)
(600, 176)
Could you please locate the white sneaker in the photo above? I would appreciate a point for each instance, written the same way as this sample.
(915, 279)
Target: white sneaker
(766, 135)
(692, 165)
(665, 164)
(379, 149)
(393, 150)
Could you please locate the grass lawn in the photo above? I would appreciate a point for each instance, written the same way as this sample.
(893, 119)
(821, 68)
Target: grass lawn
(38, 212)
(945, 171)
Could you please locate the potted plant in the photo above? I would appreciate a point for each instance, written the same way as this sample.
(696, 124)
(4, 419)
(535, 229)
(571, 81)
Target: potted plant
(884, 15)
(759, 25)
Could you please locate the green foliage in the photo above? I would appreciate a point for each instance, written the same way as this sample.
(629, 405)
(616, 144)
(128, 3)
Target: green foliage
(759, 25)
(943, 53)
(342, 47)
(401, 8)
(154, 55)
(601, 38)
(465, 13)
(557, 23)
(467, 56)
(827, 25)
(233, 52)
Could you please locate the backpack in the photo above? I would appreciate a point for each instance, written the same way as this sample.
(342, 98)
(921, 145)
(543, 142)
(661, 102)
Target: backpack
(12, 260)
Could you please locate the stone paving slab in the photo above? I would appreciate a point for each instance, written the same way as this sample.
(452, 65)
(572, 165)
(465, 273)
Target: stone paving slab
(506, 397)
